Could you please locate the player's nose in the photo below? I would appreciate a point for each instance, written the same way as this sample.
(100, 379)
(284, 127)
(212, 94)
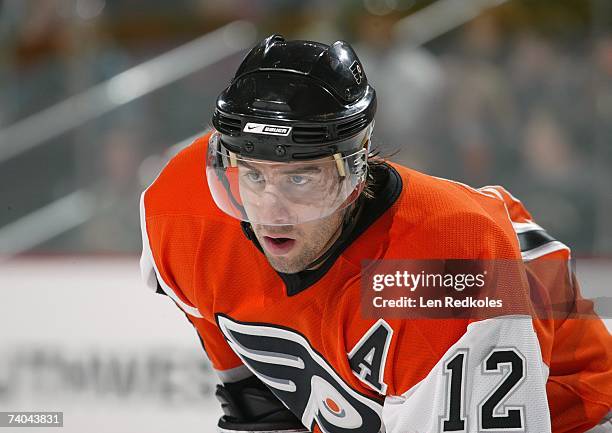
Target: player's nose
(275, 209)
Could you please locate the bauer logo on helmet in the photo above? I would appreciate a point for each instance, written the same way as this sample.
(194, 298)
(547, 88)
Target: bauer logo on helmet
(260, 128)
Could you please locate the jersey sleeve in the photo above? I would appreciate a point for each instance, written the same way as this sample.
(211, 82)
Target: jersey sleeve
(579, 352)
(492, 378)
(476, 373)
(579, 386)
(546, 371)
(166, 269)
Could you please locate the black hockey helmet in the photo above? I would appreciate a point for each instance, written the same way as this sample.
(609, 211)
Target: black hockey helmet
(292, 102)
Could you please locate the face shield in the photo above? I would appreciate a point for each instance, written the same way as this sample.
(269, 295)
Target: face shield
(285, 193)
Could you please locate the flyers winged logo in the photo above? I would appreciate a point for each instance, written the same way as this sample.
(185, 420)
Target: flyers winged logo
(300, 377)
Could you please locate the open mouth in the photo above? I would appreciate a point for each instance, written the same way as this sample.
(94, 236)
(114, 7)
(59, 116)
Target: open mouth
(278, 245)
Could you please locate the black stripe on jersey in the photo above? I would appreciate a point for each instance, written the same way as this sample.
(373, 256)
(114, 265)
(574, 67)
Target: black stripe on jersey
(159, 290)
(534, 239)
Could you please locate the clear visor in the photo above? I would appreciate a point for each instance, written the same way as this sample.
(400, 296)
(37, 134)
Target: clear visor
(283, 193)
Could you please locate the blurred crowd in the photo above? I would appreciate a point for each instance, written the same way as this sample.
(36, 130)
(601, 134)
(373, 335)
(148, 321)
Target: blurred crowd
(526, 111)
(489, 102)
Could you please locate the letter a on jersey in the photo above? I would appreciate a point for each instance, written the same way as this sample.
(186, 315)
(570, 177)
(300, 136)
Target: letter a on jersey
(367, 359)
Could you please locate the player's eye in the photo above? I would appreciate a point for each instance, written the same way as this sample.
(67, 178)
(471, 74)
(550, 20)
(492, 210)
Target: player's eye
(296, 179)
(254, 177)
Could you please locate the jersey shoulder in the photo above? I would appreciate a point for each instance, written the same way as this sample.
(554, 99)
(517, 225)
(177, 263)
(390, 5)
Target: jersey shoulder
(181, 187)
(447, 219)
(177, 212)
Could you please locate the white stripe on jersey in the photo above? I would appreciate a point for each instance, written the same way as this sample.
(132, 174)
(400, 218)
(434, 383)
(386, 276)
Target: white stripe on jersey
(525, 227)
(150, 273)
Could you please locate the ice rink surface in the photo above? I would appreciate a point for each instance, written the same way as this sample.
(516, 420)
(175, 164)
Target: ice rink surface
(86, 337)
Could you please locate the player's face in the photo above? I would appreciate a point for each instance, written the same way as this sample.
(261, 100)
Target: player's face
(284, 193)
(291, 248)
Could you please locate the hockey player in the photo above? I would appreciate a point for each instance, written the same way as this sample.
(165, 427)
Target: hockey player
(258, 232)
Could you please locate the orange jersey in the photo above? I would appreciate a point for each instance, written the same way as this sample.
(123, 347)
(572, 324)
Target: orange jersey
(341, 372)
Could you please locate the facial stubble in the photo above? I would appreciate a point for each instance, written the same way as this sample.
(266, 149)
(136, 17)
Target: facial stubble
(313, 240)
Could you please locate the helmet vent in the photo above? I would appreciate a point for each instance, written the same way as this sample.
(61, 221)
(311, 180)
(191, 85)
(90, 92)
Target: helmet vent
(228, 125)
(309, 134)
(351, 127)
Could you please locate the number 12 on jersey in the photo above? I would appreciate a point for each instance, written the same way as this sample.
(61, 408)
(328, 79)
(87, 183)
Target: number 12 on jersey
(493, 415)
